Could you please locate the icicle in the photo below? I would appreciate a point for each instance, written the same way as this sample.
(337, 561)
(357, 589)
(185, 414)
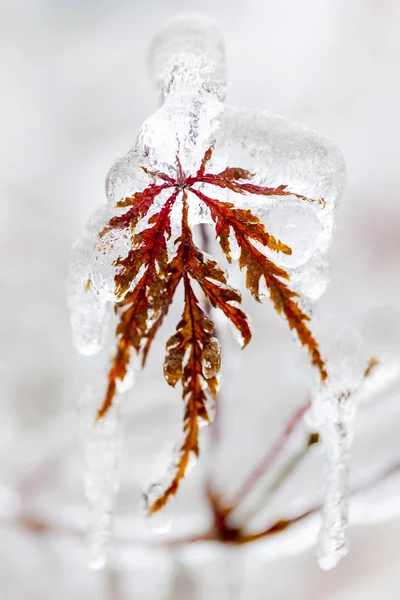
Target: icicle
(102, 455)
(89, 312)
(334, 408)
(333, 537)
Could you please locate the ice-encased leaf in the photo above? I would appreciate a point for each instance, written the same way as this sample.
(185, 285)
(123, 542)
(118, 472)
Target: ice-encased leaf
(278, 151)
(234, 168)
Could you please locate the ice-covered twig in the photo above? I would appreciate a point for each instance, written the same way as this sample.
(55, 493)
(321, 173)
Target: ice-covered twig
(333, 537)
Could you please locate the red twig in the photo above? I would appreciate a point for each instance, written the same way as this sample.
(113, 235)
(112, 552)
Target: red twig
(269, 458)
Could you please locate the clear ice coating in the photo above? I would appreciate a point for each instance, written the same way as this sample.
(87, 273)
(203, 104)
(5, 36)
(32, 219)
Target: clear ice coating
(187, 63)
(89, 311)
(161, 521)
(334, 406)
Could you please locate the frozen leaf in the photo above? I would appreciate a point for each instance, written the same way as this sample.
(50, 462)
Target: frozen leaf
(163, 254)
(194, 161)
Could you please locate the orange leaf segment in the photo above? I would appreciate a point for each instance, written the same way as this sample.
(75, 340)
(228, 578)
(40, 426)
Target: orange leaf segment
(160, 259)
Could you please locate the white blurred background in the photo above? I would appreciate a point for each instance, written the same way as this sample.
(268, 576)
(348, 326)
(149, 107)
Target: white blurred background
(74, 91)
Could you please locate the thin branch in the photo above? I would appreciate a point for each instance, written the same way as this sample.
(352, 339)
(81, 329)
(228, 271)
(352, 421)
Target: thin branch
(269, 458)
(288, 468)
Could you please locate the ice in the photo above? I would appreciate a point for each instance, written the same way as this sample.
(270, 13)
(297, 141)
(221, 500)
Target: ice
(161, 521)
(109, 248)
(89, 312)
(188, 55)
(292, 222)
(334, 407)
(278, 152)
(310, 280)
(333, 537)
(132, 374)
(101, 443)
(125, 176)
(211, 358)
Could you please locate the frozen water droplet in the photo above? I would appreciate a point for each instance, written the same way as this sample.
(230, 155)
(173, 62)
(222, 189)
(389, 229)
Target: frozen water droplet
(207, 324)
(161, 521)
(294, 223)
(211, 358)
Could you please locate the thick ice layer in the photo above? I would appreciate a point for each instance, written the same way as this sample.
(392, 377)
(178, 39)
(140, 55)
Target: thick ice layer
(102, 456)
(281, 152)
